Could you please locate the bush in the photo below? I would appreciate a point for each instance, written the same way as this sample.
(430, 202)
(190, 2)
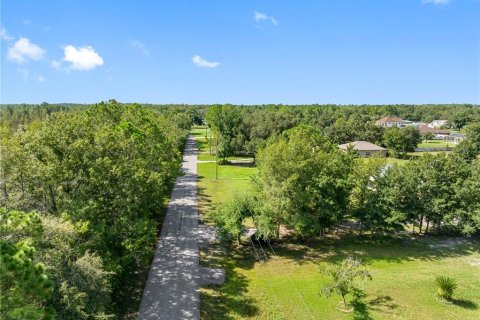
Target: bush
(445, 287)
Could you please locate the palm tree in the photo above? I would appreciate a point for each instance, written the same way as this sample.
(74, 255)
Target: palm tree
(445, 287)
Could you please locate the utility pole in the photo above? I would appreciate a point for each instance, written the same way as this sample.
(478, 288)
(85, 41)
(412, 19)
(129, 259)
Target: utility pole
(216, 161)
(210, 142)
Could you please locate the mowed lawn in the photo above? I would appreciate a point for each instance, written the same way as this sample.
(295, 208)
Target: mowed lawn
(403, 271)
(436, 144)
(231, 178)
(287, 286)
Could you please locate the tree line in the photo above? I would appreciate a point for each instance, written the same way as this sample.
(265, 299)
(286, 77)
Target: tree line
(244, 129)
(81, 196)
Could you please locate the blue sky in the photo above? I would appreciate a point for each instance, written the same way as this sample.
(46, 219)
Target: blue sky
(242, 52)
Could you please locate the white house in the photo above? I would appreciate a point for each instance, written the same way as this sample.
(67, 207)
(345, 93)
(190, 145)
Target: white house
(438, 123)
(389, 122)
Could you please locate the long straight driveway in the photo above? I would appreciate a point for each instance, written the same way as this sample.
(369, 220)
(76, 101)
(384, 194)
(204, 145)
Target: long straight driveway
(171, 291)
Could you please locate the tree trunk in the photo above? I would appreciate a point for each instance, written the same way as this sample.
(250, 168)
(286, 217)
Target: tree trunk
(421, 224)
(52, 197)
(344, 302)
(5, 190)
(426, 229)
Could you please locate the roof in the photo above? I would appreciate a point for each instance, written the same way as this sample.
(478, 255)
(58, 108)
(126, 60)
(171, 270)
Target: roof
(389, 119)
(426, 129)
(361, 146)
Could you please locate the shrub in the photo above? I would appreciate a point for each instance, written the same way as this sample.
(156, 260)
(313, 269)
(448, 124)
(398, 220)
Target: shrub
(445, 287)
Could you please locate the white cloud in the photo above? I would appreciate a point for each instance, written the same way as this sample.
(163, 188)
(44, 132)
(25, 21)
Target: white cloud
(436, 1)
(140, 47)
(41, 79)
(259, 17)
(23, 50)
(4, 34)
(81, 58)
(199, 61)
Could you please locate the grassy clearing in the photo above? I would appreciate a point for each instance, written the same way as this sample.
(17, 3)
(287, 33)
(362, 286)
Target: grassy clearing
(231, 179)
(435, 144)
(403, 270)
(207, 157)
(199, 131)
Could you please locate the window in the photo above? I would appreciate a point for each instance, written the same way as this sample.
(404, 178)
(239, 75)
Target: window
(367, 154)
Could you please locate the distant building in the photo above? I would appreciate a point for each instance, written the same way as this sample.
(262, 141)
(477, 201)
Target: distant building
(455, 138)
(424, 129)
(389, 122)
(438, 123)
(365, 149)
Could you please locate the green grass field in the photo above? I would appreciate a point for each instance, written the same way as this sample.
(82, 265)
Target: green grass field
(231, 179)
(436, 144)
(287, 286)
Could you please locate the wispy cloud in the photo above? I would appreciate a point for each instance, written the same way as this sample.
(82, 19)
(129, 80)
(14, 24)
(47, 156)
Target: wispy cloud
(79, 58)
(140, 47)
(27, 77)
(259, 17)
(436, 1)
(23, 50)
(4, 34)
(24, 72)
(200, 62)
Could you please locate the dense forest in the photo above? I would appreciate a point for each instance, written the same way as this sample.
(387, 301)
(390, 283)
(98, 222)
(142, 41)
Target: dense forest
(82, 194)
(83, 187)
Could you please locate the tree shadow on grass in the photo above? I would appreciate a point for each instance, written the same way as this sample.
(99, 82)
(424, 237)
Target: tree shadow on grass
(201, 144)
(362, 306)
(229, 300)
(394, 249)
(204, 200)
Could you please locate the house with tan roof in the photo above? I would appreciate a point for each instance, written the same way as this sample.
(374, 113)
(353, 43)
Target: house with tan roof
(364, 149)
(424, 129)
(389, 122)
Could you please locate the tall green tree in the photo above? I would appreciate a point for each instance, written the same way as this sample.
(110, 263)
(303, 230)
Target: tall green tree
(25, 288)
(399, 141)
(303, 181)
(367, 203)
(224, 121)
